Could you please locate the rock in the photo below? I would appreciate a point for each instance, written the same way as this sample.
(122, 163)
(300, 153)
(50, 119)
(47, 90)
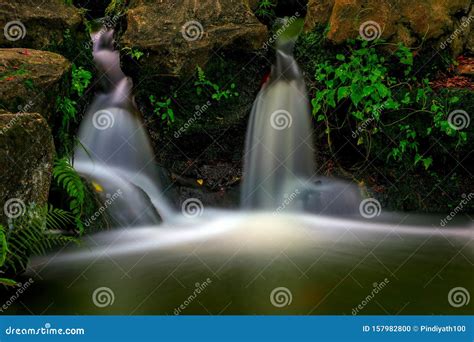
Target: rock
(30, 80)
(178, 35)
(26, 159)
(319, 13)
(36, 24)
(394, 20)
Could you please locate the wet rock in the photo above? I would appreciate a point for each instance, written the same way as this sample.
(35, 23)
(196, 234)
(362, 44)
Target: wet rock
(178, 35)
(395, 20)
(30, 80)
(26, 158)
(36, 24)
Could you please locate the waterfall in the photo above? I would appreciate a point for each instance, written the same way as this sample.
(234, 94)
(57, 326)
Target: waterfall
(114, 151)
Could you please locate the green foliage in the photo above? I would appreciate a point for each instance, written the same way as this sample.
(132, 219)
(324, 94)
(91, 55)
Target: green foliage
(68, 107)
(217, 92)
(81, 78)
(33, 233)
(376, 93)
(115, 7)
(163, 109)
(265, 9)
(66, 176)
(134, 53)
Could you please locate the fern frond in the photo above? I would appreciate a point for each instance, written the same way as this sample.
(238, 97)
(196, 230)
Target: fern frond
(31, 235)
(69, 179)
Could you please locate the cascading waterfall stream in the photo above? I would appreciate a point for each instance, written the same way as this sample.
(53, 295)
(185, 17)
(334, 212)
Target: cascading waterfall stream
(114, 150)
(327, 263)
(278, 147)
(279, 158)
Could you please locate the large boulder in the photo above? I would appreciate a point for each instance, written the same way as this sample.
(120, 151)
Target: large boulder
(31, 79)
(448, 22)
(36, 24)
(180, 34)
(26, 159)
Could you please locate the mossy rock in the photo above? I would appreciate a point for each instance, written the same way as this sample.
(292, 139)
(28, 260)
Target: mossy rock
(31, 80)
(26, 160)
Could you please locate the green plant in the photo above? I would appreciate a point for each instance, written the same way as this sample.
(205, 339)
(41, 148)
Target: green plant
(66, 176)
(68, 106)
(81, 78)
(32, 233)
(163, 109)
(115, 7)
(134, 53)
(265, 9)
(217, 93)
(376, 92)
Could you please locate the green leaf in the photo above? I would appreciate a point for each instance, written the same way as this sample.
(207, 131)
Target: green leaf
(427, 162)
(342, 93)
